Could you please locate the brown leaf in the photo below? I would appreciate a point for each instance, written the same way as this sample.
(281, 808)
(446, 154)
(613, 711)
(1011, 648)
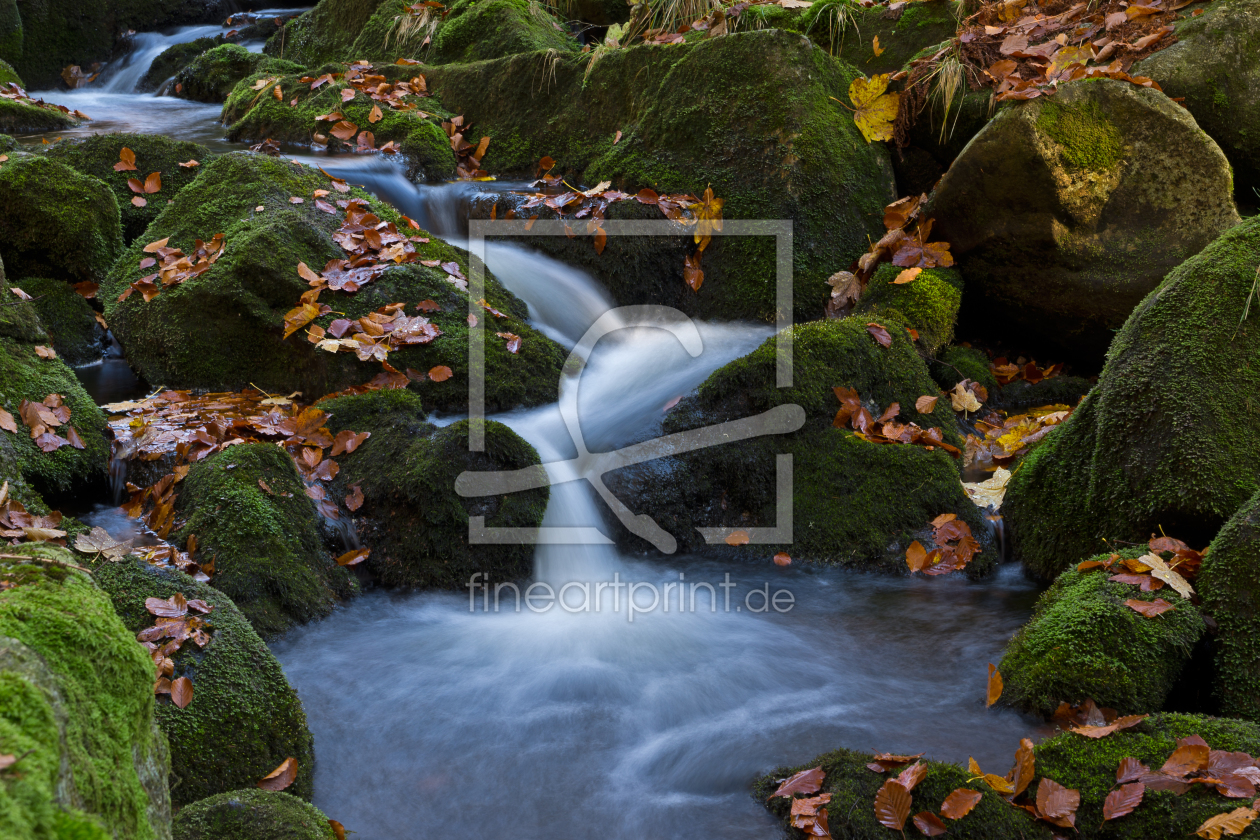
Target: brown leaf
(1130, 770)
(1115, 726)
(441, 373)
(338, 830)
(693, 274)
(376, 115)
(182, 692)
(1022, 773)
(153, 183)
(1123, 800)
(190, 164)
(1186, 759)
(45, 352)
(782, 559)
(354, 557)
(126, 160)
(354, 500)
(344, 129)
(281, 777)
(1150, 609)
(1057, 804)
(912, 775)
(994, 690)
(172, 607)
(7, 422)
(892, 805)
(926, 404)
(513, 341)
(907, 276)
(959, 803)
(139, 201)
(929, 824)
(1232, 823)
(879, 334)
(806, 781)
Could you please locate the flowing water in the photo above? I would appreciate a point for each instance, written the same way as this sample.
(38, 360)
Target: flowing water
(435, 714)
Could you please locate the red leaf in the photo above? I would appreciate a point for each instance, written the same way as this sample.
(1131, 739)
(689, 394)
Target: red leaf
(929, 824)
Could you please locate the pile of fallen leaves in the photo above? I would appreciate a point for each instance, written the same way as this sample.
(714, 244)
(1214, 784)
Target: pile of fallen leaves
(853, 414)
(468, 157)
(1008, 438)
(1151, 572)
(17, 524)
(175, 624)
(953, 546)
(174, 266)
(152, 182)
(43, 419)
(1006, 372)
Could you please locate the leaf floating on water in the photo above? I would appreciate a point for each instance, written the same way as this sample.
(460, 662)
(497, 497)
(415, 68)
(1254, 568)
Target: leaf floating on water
(736, 538)
(281, 777)
(991, 492)
(782, 559)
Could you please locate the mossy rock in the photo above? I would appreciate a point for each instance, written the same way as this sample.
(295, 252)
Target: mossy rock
(773, 146)
(76, 703)
(253, 814)
(244, 718)
(211, 75)
(854, 503)
(1213, 69)
(29, 118)
(10, 39)
(1084, 642)
(68, 319)
(412, 519)
(224, 329)
(1064, 212)
(928, 304)
(847, 30)
(851, 811)
(96, 156)
(1229, 584)
(428, 153)
(7, 74)
(8, 144)
(323, 34)
(956, 363)
(1168, 437)
(268, 555)
(56, 221)
(174, 59)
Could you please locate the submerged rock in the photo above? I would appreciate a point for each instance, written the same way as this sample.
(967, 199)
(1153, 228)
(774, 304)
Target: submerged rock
(1229, 583)
(253, 814)
(244, 718)
(224, 330)
(1165, 439)
(266, 547)
(415, 524)
(1065, 211)
(77, 706)
(68, 319)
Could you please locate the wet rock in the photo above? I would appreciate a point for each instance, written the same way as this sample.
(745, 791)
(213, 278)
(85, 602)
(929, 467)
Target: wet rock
(76, 703)
(928, 304)
(244, 718)
(68, 319)
(1083, 642)
(56, 221)
(847, 30)
(415, 524)
(172, 60)
(210, 76)
(28, 118)
(1228, 583)
(266, 547)
(224, 329)
(256, 814)
(471, 30)
(1214, 68)
(96, 156)
(1065, 211)
(7, 144)
(1166, 439)
(854, 503)
(956, 363)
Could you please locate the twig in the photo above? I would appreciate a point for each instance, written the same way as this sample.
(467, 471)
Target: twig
(1247, 305)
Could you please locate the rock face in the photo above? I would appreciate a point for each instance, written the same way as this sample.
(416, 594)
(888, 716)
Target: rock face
(244, 719)
(471, 30)
(412, 519)
(855, 503)
(1230, 585)
(1215, 70)
(1065, 211)
(268, 556)
(1083, 642)
(223, 330)
(174, 59)
(1167, 438)
(76, 691)
(254, 814)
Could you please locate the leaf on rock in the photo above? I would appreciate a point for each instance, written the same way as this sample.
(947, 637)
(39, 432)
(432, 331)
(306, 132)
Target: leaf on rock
(375, 116)
(960, 803)
(441, 373)
(354, 500)
(927, 822)
(1231, 824)
(926, 404)
(879, 334)
(1130, 770)
(1115, 726)
(1123, 800)
(994, 690)
(351, 558)
(782, 559)
(1150, 609)
(172, 607)
(126, 160)
(907, 276)
(1057, 804)
(875, 109)
(806, 781)
(153, 183)
(182, 692)
(892, 805)
(281, 777)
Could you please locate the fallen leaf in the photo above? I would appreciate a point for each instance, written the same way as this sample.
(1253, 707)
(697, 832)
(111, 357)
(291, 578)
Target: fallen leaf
(354, 557)
(782, 559)
(1150, 609)
(138, 201)
(959, 803)
(1232, 823)
(153, 183)
(281, 777)
(879, 334)
(1123, 800)
(45, 352)
(441, 373)
(926, 404)
(875, 109)
(1057, 804)
(907, 276)
(182, 692)
(994, 690)
(126, 160)
(190, 164)
(806, 781)
(1115, 726)
(354, 500)
(375, 116)
(892, 805)
(963, 398)
(1186, 759)
(737, 538)
(927, 822)
(338, 830)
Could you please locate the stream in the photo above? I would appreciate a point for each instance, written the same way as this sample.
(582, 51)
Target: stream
(434, 716)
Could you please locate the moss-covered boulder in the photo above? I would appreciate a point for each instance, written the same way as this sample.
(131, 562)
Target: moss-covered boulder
(854, 503)
(211, 75)
(7, 74)
(773, 147)
(267, 553)
(323, 34)
(77, 706)
(1084, 642)
(597, 12)
(1065, 211)
(848, 30)
(471, 30)
(412, 519)
(1229, 583)
(7, 144)
(244, 718)
(1165, 439)
(56, 221)
(254, 814)
(31, 117)
(224, 329)
(96, 156)
(928, 304)
(1214, 71)
(10, 33)
(68, 319)
(172, 60)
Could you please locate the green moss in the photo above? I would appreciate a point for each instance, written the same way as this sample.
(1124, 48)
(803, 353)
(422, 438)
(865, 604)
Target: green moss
(429, 155)
(174, 59)
(77, 691)
(1088, 139)
(929, 304)
(323, 34)
(7, 144)
(96, 156)
(954, 364)
(26, 118)
(267, 553)
(1167, 437)
(412, 518)
(244, 719)
(211, 76)
(1084, 642)
(7, 74)
(476, 30)
(254, 814)
(848, 30)
(68, 319)
(223, 330)
(1230, 586)
(10, 39)
(56, 221)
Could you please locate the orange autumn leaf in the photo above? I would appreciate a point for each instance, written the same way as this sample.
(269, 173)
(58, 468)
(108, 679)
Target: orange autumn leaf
(994, 690)
(281, 777)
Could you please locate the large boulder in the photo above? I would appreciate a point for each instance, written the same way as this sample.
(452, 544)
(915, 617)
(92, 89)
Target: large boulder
(265, 543)
(323, 34)
(244, 718)
(1084, 642)
(224, 329)
(10, 33)
(411, 519)
(855, 503)
(211, 75)
(1065, 211)
(1229, 583)
(68, 319)
(253, 814)
(77, 706)
(1165, 440)
(56, 221)
(848, 30)
(96, 156)
(469, 30)
(1214, 71)
(172, 60)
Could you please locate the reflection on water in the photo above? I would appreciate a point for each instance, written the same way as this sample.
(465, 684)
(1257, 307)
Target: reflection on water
(111, 379)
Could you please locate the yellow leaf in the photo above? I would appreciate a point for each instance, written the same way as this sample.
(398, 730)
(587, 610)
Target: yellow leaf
(963, 399)
(876, 48)
(998, 783)
(989, 493)
(876, 110)
(708, 217)
(1160, 571)
(1232, 823)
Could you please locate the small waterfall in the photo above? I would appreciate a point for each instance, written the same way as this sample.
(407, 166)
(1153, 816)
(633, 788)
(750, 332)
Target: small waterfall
(123, 75)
